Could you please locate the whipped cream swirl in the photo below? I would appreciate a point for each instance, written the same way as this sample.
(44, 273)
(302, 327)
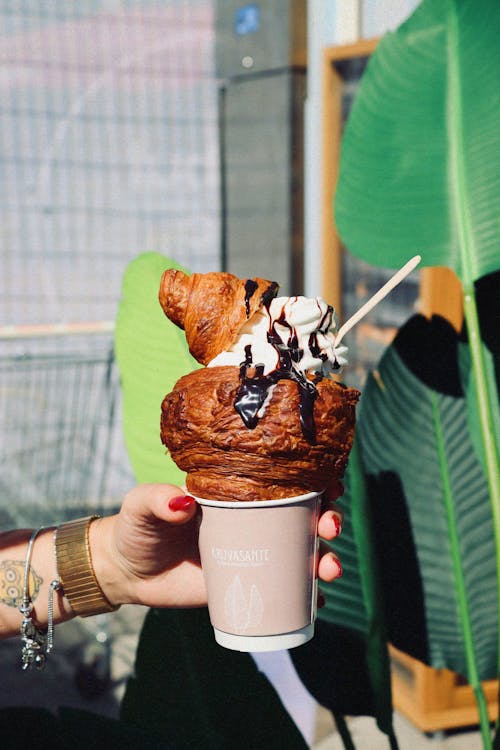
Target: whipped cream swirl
(304, 327)
(288, 338)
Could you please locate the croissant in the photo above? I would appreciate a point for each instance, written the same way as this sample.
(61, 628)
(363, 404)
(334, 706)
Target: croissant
(212, 307)
(225, 460)
(240, 433)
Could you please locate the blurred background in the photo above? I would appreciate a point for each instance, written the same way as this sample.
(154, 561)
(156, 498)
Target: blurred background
(109, 148)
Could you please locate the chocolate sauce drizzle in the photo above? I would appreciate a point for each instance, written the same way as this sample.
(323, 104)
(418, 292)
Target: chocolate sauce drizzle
(268, 295)
(254, 384)
(251, 287)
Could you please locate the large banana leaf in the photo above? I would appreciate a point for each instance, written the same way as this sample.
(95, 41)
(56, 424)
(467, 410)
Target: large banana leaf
(420, 165)
(420, 160)
(152, 354)
(397, 522)
(492, 363)
(420, 173)
(415, 444)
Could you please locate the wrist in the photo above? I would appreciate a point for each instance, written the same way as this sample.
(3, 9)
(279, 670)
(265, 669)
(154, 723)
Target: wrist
(75, 564)
(109, 574)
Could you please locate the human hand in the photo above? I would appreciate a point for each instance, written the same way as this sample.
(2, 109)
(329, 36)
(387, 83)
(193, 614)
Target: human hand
(148, 553)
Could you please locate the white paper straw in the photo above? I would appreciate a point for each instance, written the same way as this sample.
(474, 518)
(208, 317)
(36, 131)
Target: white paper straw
(377, 297)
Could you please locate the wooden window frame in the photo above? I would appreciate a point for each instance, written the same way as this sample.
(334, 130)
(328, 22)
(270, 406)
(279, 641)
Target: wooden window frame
(440, 289)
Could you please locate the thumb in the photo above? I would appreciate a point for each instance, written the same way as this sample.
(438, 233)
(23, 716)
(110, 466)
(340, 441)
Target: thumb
(181, 507)
(162, 502)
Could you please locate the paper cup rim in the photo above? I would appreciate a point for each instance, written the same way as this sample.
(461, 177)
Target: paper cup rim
(258, 503)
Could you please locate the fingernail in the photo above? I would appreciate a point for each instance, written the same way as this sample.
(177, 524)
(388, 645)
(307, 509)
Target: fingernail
(181, 502)
(340, 569)
(338, 525)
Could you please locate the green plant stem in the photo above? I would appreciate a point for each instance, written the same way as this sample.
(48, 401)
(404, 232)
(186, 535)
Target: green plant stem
(462, 602)
(468, 251)
(484, 396)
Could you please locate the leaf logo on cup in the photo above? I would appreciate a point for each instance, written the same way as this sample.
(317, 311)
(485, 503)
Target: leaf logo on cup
(240, 613)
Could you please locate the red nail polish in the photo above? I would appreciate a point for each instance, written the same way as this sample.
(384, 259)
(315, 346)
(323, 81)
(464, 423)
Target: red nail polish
(338, 526)
(181, 502)
(341, 570)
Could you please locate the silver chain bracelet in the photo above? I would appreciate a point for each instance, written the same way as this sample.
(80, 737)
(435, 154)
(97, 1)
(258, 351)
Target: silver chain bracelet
(36, 642)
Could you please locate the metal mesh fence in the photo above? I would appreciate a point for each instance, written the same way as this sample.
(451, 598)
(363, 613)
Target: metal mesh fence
(108, 148)
(58, 416)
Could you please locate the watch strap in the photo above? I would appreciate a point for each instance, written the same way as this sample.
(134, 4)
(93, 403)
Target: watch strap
(76, 572)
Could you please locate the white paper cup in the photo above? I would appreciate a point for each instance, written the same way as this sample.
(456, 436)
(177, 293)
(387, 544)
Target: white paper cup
(259, 561)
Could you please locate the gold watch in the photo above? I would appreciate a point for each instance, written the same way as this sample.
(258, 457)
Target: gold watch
(76, 572)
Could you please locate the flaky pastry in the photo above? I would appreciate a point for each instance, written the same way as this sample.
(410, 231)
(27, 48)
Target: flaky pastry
(212, 307)
(225, 460)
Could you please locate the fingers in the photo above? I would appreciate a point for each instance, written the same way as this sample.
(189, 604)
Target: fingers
(164, 502)
(169, 503)
(330, 523)
(330, 527)
(329, 567)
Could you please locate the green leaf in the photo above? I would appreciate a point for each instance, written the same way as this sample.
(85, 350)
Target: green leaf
(398, 433)
(152, 355)
(420, 158)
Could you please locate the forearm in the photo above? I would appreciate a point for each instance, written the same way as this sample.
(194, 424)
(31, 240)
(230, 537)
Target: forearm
(146, 554)
(43, 571)
(13, 550)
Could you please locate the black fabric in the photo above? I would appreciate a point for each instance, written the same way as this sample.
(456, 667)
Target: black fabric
(211, 698)
(29, 728)
(39, 729)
